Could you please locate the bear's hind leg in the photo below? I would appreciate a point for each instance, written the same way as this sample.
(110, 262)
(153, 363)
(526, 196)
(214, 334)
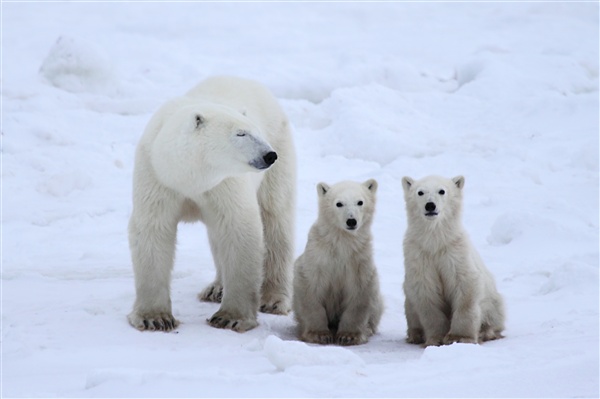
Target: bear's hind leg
(214, 291)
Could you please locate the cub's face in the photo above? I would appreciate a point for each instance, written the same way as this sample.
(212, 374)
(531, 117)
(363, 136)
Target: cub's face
(347, 205)
(433, 197)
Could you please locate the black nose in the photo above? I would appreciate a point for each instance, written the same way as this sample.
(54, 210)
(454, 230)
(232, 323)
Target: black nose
(430, 207)
(351, 222)
(270, 158)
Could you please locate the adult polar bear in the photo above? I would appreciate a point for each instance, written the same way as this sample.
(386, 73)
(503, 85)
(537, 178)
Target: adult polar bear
(199, 159)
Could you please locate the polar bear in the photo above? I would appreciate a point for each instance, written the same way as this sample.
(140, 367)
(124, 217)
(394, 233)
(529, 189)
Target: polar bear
(336, 288)
(222, 154)
(450, 294)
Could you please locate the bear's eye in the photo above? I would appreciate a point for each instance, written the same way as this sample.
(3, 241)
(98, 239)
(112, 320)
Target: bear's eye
(339, 205)
(420, 193)
(241, 134)
(441, 192)
(360, 203)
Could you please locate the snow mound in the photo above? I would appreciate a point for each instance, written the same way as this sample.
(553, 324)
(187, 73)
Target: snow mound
(77, 66)
(286, 354)
(505, 229)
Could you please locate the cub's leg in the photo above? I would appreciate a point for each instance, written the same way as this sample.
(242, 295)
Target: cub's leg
(415, 333)
(311, 315)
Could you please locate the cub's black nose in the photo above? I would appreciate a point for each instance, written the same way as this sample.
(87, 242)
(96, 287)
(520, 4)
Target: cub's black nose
(270, 158)
(351, 222)
(430, 207)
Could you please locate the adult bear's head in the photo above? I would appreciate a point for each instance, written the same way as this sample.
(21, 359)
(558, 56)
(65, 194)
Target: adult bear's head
(202, 144)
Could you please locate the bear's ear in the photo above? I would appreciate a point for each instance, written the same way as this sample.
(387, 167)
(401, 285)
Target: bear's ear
(371, 185)
(322, 189)
(198, 120)
(407, 182)
(459, 181)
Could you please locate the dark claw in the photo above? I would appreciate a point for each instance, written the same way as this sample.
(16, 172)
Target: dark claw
(157, 325)
(263, 307)
(211, 291)
(146, 324)
(234, 324)
(168, 325)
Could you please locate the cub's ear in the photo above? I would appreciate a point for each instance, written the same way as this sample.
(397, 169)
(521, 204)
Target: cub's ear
(407, 182)
(198, 120)
(371, 185)
(459, 181)
(322, 189)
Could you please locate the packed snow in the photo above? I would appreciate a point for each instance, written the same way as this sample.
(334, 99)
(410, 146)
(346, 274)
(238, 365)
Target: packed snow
(505, 94)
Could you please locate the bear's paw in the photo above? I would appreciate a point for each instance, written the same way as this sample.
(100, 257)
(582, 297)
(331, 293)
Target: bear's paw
(161, 321)
(225, 319)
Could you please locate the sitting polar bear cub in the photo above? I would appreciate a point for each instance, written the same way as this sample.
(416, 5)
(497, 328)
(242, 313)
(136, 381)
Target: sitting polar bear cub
(336, 289)
(199, 159)
(450, 295)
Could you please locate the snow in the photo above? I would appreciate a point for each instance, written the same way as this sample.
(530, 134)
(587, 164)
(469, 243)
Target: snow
(505, 94)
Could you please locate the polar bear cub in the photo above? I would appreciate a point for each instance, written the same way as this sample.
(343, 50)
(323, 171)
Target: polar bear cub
(450, 294)
(222, 154)
(336, 295)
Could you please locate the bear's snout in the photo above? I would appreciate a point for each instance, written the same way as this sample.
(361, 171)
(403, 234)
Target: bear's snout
(430, 208)
(351, 223)
(270, 158)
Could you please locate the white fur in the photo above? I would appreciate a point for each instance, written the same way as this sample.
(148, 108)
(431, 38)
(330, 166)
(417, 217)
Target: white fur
(336, 288)
(450, 294)
(200, 158)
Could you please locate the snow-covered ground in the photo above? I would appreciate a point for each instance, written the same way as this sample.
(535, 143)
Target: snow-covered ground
(504, 93)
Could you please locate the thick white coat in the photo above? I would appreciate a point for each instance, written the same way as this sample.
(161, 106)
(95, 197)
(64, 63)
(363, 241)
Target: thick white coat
(450, 295)
(206, 156)
(336, 287)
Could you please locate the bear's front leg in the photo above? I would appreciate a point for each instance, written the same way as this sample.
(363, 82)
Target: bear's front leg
(238, 251)
(152, 251)
(277, 196)
(352, 329)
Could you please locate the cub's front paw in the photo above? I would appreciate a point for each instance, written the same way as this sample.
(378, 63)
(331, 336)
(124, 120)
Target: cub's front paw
(160, 321)
(225, 319)
(415, 336)
(350, 338)
(318, 337)
(452, 338)
(433, 341)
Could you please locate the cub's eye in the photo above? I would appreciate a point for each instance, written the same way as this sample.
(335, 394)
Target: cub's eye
(360, 203)
(420, 193)
(441, 192)
(339, 205)
(241, 134)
